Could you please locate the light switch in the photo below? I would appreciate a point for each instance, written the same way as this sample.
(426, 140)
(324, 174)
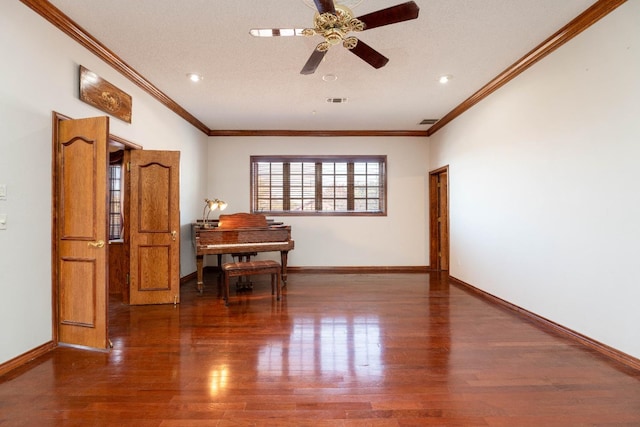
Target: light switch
(3, 221)
(3, 191)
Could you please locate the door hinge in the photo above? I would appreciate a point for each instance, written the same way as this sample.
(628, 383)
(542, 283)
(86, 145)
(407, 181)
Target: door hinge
(128, 166)
(126, 280)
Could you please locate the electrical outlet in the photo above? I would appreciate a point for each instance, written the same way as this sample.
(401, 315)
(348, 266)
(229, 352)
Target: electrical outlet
(3, 191)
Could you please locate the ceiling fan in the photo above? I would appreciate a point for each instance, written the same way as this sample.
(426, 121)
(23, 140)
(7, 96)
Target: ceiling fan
(334, 22)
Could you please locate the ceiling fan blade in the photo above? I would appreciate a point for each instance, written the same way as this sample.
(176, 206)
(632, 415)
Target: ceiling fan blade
(325, 6)
(275, 32)
(369, 55)
(313, 62)
(390, 15)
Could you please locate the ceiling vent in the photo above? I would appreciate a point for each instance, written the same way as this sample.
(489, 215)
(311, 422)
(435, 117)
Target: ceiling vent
(336, 100)
(428, 121)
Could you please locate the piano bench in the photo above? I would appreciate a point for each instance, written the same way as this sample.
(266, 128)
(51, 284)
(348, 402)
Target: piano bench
(249, 268)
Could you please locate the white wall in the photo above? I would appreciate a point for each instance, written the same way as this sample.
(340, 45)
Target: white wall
(399, 239)
(39, 74)
(544, 186)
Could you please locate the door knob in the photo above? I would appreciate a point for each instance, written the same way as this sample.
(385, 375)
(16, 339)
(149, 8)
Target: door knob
(174, 233)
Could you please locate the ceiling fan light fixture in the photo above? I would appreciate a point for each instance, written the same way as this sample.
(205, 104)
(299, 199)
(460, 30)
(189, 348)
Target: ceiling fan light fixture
(333, 37)
(335, 27)
(350, 43)
(334, 21)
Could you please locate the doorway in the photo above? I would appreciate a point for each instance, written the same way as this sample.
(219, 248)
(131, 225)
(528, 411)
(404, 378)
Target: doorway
(81, 238)
(439, 219)
(117, 209)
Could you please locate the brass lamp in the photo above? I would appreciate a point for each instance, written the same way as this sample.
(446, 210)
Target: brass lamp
(212, 205)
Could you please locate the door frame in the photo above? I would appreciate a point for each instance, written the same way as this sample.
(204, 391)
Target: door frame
(438, 251)
(56, 118)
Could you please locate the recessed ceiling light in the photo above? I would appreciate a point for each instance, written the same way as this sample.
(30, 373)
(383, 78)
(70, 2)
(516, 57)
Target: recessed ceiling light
(329, 77)
(445, 78)
(194, 77)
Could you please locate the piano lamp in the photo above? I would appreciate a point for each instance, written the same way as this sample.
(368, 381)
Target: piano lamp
(212, 205)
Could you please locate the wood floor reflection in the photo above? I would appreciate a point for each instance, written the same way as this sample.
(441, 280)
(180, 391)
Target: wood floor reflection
(338, 350)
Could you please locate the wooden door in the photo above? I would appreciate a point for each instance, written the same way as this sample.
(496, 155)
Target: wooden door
(154, 226)
(81, 234)
(439, 218)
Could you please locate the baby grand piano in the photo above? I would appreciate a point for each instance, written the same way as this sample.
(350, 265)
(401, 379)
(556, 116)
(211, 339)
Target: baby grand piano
(242, 234)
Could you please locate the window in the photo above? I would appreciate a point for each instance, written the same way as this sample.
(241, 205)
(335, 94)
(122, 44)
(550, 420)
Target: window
(115, 202)
(301, 185)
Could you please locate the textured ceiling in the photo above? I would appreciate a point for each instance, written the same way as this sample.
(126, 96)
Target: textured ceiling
(255, 83)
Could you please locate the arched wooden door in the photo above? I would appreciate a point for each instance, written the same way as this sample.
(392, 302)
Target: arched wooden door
(80, 231)
(154, 226)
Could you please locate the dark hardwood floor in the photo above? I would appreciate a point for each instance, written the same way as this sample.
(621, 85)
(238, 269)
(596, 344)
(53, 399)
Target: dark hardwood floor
(338, 350)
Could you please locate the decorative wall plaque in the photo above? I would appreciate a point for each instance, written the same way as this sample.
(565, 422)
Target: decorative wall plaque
(103, 95)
